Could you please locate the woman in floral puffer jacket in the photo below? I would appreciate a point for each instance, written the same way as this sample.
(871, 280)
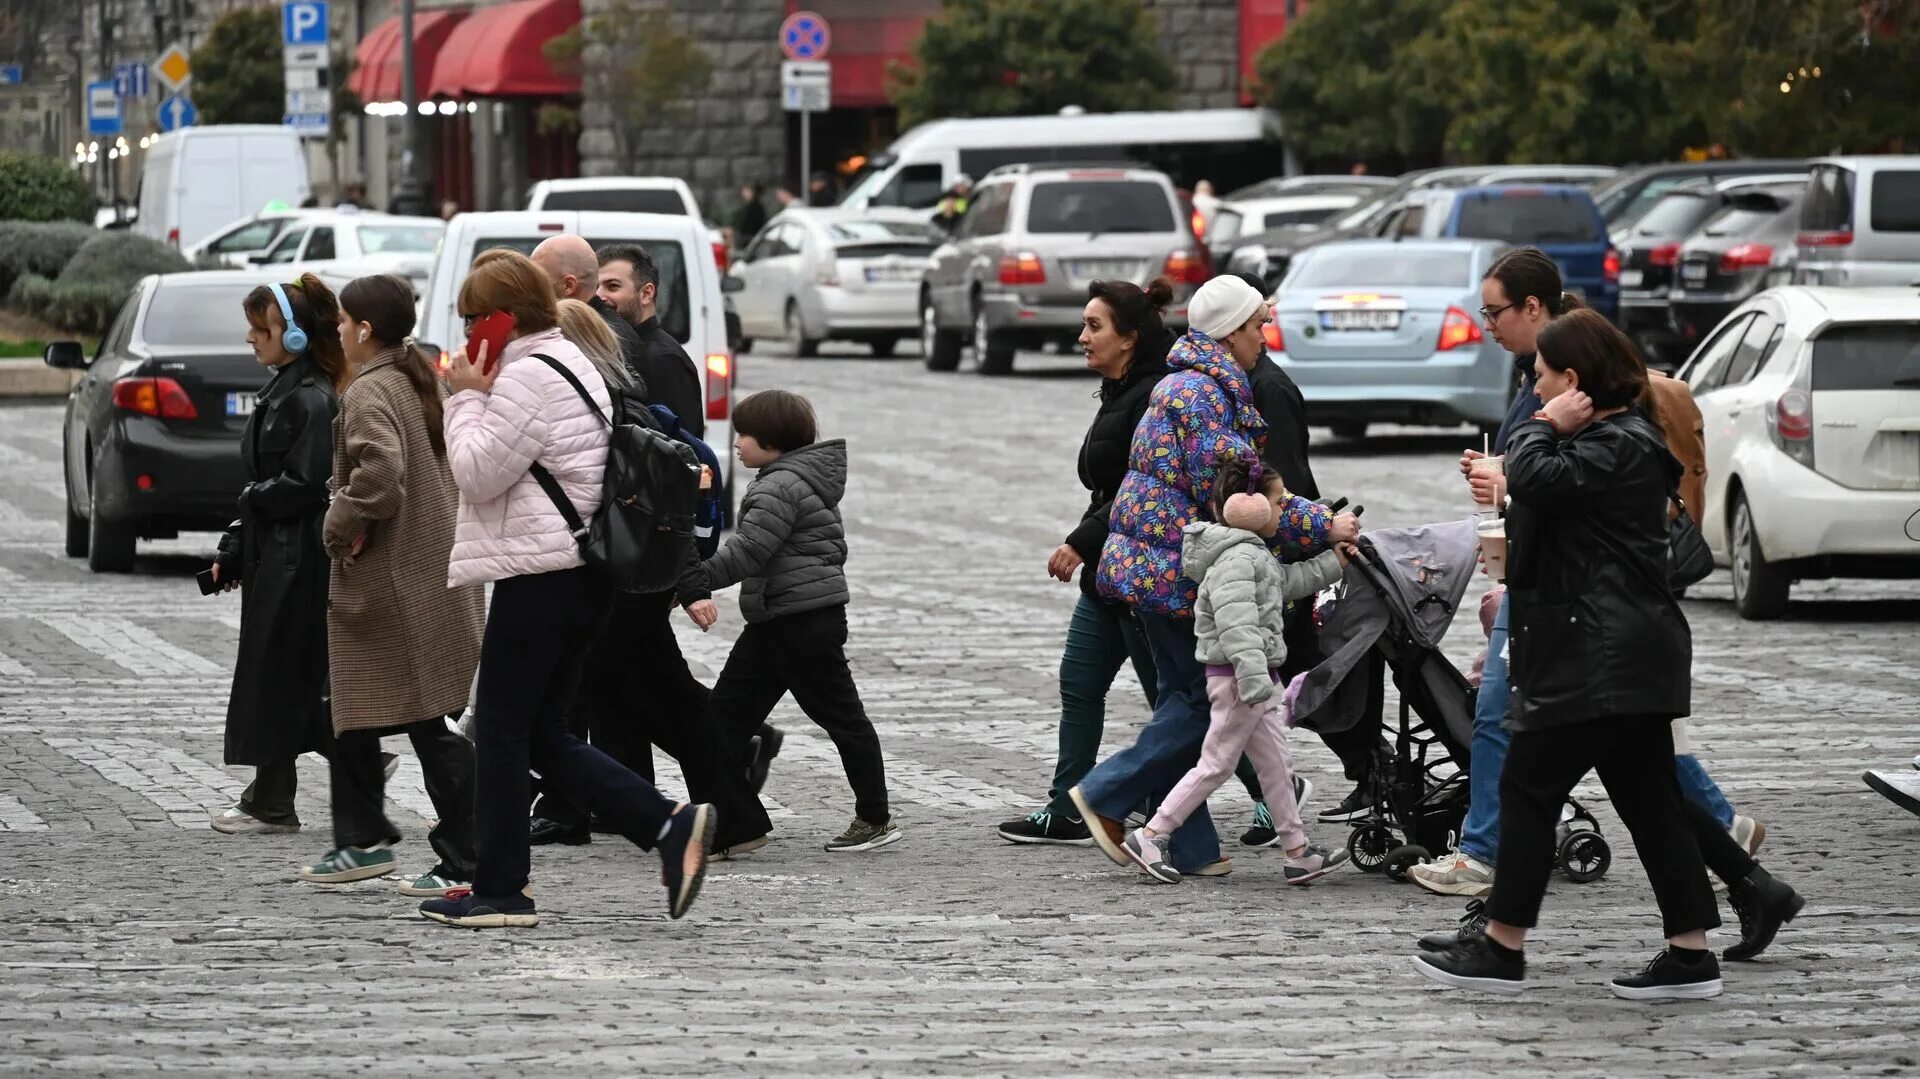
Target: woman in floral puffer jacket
(1200, 416)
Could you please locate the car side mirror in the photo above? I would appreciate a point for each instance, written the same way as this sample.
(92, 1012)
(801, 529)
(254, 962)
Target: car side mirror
(65, 355)
(731, 283)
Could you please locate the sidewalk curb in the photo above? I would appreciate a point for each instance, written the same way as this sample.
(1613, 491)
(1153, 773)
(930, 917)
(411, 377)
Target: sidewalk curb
(28, 377)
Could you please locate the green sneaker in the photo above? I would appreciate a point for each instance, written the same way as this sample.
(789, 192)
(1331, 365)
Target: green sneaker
(864, 835)
(434, 884)
(348, 864)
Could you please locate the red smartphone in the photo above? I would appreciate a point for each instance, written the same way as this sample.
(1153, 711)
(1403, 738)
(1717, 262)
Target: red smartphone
(493, 329)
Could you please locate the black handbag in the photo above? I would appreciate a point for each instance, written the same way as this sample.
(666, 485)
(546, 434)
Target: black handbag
(1688, 558)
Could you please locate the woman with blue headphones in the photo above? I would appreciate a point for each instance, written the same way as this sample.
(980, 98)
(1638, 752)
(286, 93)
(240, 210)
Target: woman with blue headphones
(274, 554)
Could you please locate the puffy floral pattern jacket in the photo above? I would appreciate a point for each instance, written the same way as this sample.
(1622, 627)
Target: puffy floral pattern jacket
(1199, 417)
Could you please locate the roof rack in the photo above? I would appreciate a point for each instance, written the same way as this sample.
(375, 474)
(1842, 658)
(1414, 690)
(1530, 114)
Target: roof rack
(1023, 167)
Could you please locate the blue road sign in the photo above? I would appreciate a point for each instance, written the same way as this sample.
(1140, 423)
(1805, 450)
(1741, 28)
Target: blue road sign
(176, 112)
(130, 78)
(103, 108)
(805, 36)
(11, 74)
(304, 22)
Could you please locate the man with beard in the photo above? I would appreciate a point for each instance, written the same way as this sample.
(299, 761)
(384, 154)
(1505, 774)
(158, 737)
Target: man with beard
(630, 282)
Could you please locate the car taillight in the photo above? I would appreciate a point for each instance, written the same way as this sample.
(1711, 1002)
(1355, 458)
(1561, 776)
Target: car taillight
(1825, 239)
(1275, 341)
(1746, 257)
(1024, 268)
(1664, 255)
(1184, 267)
(719, 384)
(1611, 267)
(173, 237)
(1790, 422)
(1458, 330)
(160, 397)
(720, 255)
(1199, 223)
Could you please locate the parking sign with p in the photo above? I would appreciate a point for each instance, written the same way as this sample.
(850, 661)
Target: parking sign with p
(304, 22)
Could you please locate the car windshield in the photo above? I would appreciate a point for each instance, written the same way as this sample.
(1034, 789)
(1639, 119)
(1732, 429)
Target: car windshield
(1099, 206)
(1376, 267)
(871, 231)
(668, 258)
(1676, 215)
(631, 200)
(1750, 215)
(1624, 206)
(1295, 219)
(1529, 219)
(1868, 356)
(203, 316)
(406, 239)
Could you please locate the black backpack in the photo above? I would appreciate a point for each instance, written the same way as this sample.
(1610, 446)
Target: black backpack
(642, 537)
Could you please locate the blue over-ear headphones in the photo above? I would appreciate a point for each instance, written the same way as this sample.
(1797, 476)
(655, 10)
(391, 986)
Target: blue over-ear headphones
(295, 339)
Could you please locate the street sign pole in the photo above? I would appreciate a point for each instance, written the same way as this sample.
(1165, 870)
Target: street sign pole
(804, 38)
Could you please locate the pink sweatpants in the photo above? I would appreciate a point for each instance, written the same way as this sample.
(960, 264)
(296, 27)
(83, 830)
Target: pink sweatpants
(1237, 728)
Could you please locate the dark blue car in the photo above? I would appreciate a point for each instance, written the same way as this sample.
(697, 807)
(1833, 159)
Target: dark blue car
(1561, 220)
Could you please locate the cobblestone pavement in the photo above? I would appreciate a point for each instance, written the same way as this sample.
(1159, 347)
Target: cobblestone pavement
(136, 939)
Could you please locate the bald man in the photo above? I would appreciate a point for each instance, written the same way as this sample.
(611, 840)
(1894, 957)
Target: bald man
(570, 263)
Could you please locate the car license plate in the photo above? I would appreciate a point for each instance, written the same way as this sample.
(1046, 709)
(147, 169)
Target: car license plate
(240, 404)
(1694, 273)
(1632, 278)
(1359, 320)
(1102, 269)
(884, 274)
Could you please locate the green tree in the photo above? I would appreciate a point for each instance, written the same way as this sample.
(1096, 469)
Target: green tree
(237, 76)
(1029, 57)
(637, 62)
(1349, 85)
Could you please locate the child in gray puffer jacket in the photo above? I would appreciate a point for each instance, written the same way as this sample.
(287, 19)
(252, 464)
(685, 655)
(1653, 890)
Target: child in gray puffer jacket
(789, 553)
(1238, 620)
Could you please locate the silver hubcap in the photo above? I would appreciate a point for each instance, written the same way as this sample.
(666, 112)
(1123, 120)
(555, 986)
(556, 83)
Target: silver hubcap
(1742, 549)
(793, 329)
(980, 333)
(927, 328)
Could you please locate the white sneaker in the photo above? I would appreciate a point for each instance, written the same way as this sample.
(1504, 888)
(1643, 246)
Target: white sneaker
(1454, 874)
(1747, 832)
(234, 822)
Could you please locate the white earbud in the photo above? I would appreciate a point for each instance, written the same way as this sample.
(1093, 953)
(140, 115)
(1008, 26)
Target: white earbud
(363, 335)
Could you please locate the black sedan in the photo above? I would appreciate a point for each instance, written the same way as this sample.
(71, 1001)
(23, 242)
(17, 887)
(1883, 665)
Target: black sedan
(1648, 253)
(1746, 247)
(152, 433)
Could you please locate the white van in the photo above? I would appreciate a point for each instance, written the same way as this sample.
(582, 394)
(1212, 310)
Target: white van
(200, 178)
(691, 305)
(1860, 223)
(1231, 147)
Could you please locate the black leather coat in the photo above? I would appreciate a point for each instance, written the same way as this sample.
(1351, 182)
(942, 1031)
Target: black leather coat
(1104, 450)
(276, 710)
(1596, 631)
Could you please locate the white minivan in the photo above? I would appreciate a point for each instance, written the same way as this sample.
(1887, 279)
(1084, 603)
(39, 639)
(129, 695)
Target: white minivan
(200, 178)
(1860, 223)
(691, 305)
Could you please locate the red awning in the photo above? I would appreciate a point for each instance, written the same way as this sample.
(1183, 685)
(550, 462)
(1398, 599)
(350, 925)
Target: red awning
(496, 52)
(378, 74)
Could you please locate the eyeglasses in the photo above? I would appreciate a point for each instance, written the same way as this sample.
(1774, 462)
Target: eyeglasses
(1491, 313)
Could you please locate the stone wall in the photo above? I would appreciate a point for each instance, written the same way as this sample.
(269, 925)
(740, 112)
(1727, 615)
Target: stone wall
(732, 133)
(1203, 39)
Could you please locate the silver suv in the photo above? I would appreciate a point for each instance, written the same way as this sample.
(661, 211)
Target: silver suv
(1015, 273)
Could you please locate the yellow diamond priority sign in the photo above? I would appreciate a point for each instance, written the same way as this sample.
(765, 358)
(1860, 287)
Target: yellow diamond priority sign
(173, 68)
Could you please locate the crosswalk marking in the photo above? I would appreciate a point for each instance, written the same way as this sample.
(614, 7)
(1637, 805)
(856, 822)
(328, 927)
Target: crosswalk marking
(183, 786)
(16, 817)
(126, 644)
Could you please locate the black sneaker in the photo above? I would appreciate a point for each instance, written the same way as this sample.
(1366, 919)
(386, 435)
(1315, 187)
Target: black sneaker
(1667, 978)
(766, 747)
(541, 831)
(1046, 826)
(460, 907)
(1473, 924)
(1475, 965)
(683, 854)
(1262, 833)
(1353, 807)
(1764, 905)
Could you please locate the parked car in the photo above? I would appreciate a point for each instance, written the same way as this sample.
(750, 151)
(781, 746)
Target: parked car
(1650, 254)
(1383, 331)
(151, 440)
(1331, 184)
(1810, 399)
(1560, 220)
(1860, 224)
(1015, 273)
(1745, 247)
(818, 275)
(1625, 197)
(198, 178)
(691, 289)
(1273, 212)
(237, 242)
(627, 194)
(353, 243)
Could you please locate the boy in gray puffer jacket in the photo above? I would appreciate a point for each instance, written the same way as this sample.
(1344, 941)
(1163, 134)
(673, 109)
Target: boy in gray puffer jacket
(789, 553)
(1239, 621)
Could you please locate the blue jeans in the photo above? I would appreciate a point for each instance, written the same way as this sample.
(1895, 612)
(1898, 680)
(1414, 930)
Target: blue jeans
(1169, 745)
(1480, 834)
(1101, 639)
(1700, 788)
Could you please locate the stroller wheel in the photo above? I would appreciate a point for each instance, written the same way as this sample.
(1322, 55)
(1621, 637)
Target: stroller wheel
(1369, 845)
(1585, 856)
(1401, 859)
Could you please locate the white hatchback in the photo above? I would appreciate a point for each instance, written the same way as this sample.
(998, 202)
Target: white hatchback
(1811, 405)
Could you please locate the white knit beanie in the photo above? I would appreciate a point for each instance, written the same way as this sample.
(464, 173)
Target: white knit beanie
(1222, 305)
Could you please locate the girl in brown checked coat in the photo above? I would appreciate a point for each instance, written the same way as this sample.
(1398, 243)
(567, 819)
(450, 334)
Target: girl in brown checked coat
(402, 646)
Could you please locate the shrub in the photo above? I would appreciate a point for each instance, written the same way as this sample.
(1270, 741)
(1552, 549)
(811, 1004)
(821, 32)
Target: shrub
(30, 295)
(122, 258)
(33, 247)
(95, 282)
(35, 188)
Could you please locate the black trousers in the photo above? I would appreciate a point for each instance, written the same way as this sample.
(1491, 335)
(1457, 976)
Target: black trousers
(540, 630)
(359, 791)
(1634, 757)
(804, 654)
(639, 693)
(269, 797)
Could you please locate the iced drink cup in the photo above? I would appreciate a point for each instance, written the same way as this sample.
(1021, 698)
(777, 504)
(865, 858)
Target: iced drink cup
(1493, 546)
(1486, 466)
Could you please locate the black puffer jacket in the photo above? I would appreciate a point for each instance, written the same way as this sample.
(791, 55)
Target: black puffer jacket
(1103, 452)
(1596, 631)
(789, 550)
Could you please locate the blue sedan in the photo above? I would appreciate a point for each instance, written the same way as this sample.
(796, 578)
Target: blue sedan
(1388, 331)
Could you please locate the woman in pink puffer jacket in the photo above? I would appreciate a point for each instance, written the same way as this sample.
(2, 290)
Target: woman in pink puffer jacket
(547, 605)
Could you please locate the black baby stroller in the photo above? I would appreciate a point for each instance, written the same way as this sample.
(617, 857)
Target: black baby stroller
(1397, 599)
